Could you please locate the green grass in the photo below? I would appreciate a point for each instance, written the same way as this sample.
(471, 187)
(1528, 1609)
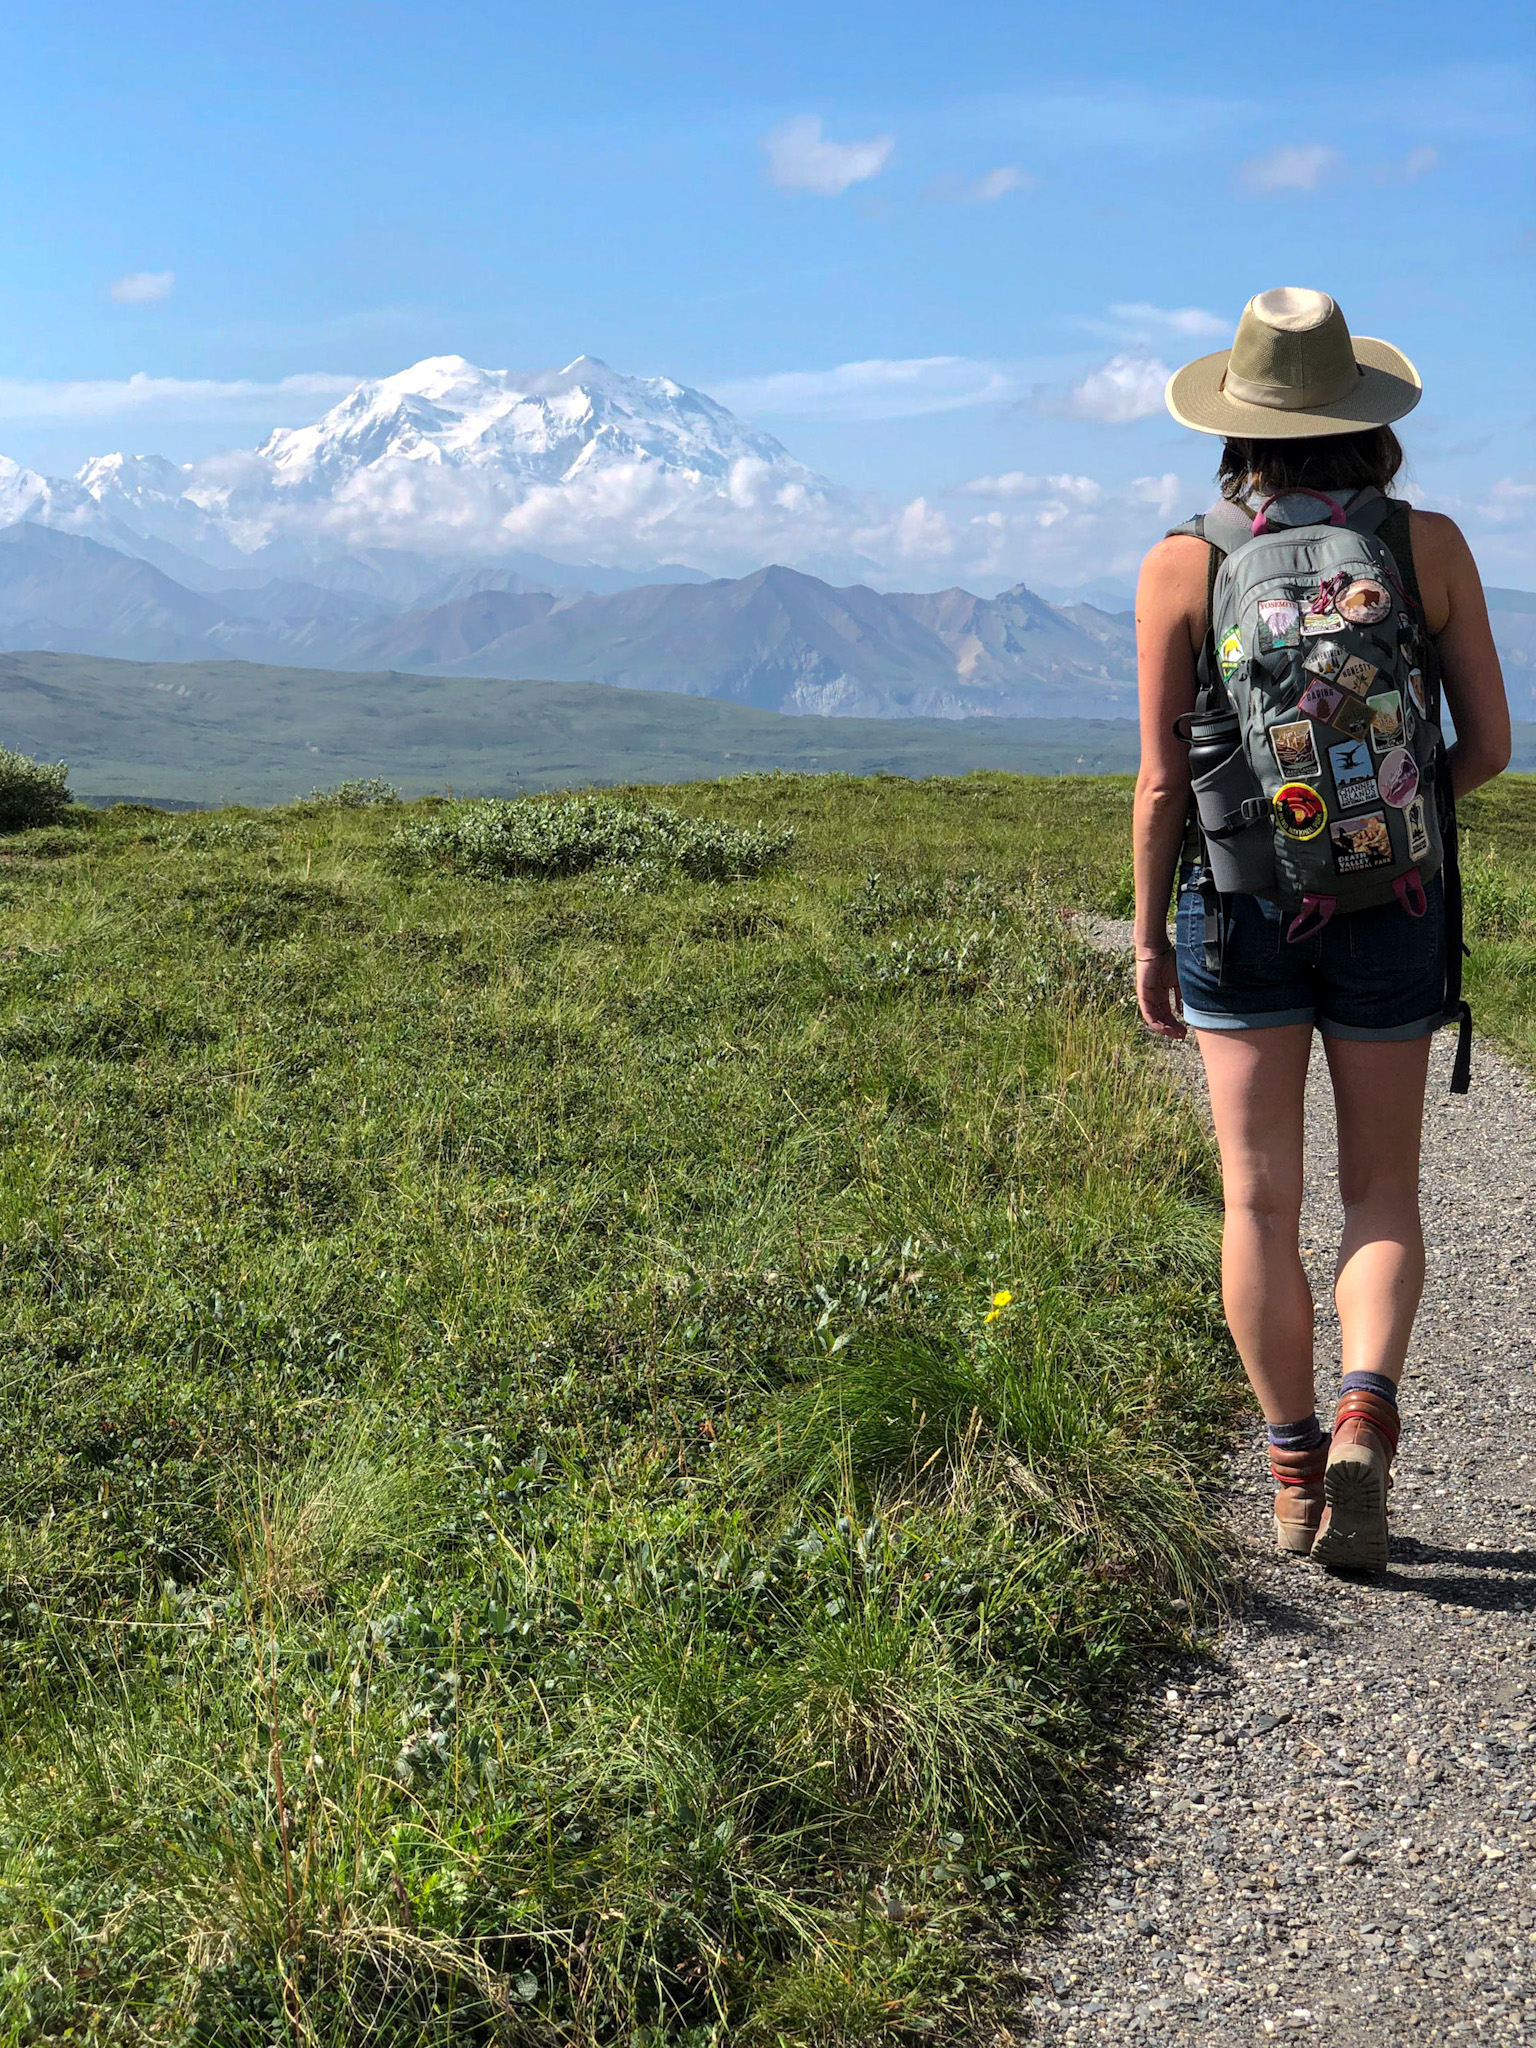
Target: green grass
(1498, 827)
(522, 1521)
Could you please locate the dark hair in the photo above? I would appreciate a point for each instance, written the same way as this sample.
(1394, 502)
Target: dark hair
(1347, 461)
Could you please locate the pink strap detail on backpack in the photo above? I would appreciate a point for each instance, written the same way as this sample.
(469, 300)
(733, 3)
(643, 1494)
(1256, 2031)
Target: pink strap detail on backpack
(1261, 517)
(1409, 891)
(1319, 909)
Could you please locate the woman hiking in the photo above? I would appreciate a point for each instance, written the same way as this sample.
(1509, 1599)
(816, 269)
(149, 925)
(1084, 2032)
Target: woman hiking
(1300, 635)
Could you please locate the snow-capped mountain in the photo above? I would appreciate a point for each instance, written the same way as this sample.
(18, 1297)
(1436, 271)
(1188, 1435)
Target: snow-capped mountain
(154, 508)
(49, 500)
(448, 459)
(548, 429)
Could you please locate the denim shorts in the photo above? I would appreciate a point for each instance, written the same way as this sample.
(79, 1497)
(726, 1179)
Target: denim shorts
(1375, 974)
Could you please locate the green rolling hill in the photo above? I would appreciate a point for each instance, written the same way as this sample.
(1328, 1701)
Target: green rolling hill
(233, 731)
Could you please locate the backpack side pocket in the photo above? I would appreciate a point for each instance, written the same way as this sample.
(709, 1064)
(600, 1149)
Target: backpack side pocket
(1236, 827)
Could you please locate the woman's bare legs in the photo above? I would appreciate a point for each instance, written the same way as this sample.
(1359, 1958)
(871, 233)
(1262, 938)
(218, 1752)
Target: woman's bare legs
(1378, 1090)
(1257, 1082)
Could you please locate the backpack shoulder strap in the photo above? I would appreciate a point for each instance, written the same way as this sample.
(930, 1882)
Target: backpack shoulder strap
(1364, 510)
(1392, 529)
(1395, 532)
(1224, 528)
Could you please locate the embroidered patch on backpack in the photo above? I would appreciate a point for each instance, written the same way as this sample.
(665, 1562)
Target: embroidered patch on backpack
(1320, 700)
(1230, 653)
(1295, 749)
(1361, 843)
(1365, 602)
(1398, 779)
(1356, 675)
(1418, 830)
(1352, 775)
(1353, 718)
(1279, 624)
(1325, 659)
(1300, 812)
(1386, 721)
(1416, 692)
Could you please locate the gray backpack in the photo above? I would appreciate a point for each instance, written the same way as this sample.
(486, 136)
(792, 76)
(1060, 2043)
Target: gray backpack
(1317, 763)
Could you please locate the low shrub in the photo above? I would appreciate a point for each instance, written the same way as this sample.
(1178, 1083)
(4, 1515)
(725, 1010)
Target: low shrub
(883, 901)
(357, 795)
(503, 837)
(31, 792)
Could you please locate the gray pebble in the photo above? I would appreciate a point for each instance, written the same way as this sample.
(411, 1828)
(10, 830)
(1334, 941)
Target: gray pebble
(1333, 1834)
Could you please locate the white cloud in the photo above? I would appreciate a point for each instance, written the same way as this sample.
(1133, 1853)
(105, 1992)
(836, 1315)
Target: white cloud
(983, 190)
(1293, 167)
(1183, 323)
(143, 287)
(1128, 387)
(923, 533)
(1018, 483)
(802, 159)
(1508, 498)
(997, 184)
(1052, 529)
(880, 389)
(109, 397)
(1163, 492)
(1418, 163)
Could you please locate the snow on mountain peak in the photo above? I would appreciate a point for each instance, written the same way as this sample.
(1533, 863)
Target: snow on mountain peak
(449, 457)
(130, 475)
(519, 432)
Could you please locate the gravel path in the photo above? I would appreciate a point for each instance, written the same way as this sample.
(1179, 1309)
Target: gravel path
(1330, 1832)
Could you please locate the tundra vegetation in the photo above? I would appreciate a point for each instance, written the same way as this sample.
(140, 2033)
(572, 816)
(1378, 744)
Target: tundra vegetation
(604, 1402)
(1498, 861)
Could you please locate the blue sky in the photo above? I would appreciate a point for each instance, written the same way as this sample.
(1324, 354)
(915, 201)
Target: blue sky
(977, 207)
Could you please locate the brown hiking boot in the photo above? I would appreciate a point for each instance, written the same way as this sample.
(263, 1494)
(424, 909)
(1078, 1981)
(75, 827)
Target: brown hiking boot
(1353, 1536)
(1298, 1497)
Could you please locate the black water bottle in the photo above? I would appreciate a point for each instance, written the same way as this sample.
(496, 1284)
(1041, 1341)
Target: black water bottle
(1212, 737)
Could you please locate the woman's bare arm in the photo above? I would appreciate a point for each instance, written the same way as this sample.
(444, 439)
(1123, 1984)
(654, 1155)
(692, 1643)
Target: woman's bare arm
(1170, 625)
(1457, 615)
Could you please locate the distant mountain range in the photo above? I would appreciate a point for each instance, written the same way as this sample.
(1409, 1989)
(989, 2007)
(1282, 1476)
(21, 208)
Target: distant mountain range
(776, 639)
(391, 535)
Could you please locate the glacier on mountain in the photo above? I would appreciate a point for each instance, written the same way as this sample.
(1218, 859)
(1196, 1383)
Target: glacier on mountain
(446, 458)
(619, 478)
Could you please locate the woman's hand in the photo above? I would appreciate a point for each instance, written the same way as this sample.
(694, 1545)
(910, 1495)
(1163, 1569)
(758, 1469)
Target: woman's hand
(1157, 989)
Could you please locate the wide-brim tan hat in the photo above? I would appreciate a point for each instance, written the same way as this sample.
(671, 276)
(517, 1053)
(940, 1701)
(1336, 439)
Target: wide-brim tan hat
(1294, 370)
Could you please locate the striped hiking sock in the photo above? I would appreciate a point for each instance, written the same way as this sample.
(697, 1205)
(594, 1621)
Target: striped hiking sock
(1296, 1452)
(1306, 1435)
(1375, 1383)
